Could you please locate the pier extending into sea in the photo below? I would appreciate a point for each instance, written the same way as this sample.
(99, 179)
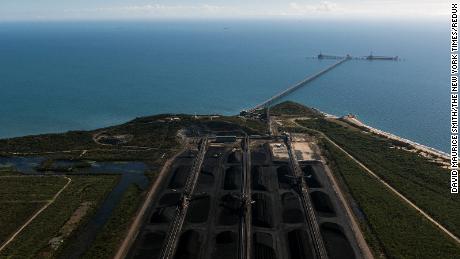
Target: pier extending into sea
(293, 88)
(341, 59)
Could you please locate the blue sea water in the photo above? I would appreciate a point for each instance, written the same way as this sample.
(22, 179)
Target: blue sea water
(61, 76)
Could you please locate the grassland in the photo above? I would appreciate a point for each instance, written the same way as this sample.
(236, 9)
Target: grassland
(34, 240)
(8, 171)
(289, 108)
(29, 188)
(392, 228)
(21, 196)
(108, 240)
(13, 215)
(423, 182)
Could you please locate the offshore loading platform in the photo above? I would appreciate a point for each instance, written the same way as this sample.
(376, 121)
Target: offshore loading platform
(369, 57)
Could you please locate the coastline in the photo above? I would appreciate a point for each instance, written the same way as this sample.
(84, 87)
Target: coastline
(353, 120)
(424, 149)
(420, 147)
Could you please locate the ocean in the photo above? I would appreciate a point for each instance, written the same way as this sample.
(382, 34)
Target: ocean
(59, 76)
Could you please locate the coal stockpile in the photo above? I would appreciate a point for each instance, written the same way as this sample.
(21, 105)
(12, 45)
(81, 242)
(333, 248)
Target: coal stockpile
(170, 199)
(260, 180)
(215, 209)
(179, 177)
(276, 210)
(189, 245)
(199, 209)
(232, 179)
(262, 211)
(150, 246)
(310, 177)
(338, 237)
(211, 224)
(299, 244)
(278, 224)
(214, 153)
(226, 245)
(234, 157)
(258, 157)
(263, 246)
(166, 208)
(205, 179)
(322, 204)
(230, 210)
(162, 215)
(283, 180)
(337, 244)
(292, 211)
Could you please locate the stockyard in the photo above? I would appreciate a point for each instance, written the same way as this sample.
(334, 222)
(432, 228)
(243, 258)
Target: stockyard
(247, 197)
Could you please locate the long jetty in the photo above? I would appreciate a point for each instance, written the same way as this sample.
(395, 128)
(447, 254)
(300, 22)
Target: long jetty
(296, 86)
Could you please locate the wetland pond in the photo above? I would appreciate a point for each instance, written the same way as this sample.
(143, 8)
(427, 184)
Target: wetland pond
(132, 172)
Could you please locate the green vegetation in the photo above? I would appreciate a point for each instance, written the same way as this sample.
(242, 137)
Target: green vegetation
(8, 170)
(423, 182)
(149, 156)
(13, 215)
(29, 188)
(155, 131)
(48, 142)
(34, 240)
(108, 240)
(292, 108)
(21, 196)
(391, 227)
(159, 133)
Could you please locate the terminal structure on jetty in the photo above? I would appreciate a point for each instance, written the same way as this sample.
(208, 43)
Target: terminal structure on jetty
(370, 57)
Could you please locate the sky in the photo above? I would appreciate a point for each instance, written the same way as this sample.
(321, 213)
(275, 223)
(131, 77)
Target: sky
(18, 10)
